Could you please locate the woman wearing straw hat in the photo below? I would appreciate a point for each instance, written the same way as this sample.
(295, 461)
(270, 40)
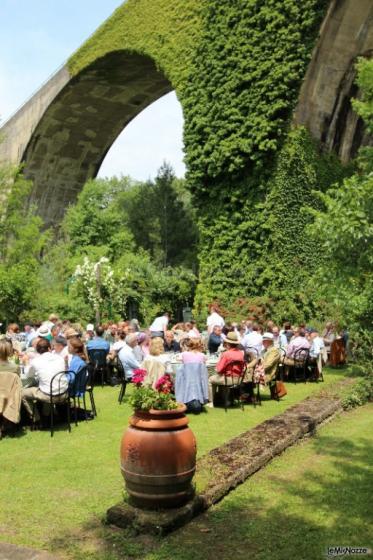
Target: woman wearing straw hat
(226, 369)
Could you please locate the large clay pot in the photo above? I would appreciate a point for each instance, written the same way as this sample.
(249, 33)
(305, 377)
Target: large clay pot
(158, 458)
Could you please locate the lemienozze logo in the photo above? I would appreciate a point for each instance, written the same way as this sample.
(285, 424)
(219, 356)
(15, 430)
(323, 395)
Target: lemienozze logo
(334, 551)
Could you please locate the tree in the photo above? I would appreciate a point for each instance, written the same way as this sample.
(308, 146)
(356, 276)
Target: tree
(161, 220)
(344, 227)
(22, 242)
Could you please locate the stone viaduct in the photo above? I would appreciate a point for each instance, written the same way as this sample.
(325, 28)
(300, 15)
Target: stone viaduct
(62, 134)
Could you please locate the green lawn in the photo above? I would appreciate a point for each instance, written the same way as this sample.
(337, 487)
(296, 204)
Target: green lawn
(54, 492)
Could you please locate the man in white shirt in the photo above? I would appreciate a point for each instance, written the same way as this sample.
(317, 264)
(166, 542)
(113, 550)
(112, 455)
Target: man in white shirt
(253, 341)
(159, 326)
(279, 339)
(317, 344)
(43, 368)
(214, 319)
(127, 356)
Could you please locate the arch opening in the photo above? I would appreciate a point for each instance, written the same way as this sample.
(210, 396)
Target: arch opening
(151, 138)
(83, 121)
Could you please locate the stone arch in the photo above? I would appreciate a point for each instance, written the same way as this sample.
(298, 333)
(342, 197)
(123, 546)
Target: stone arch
(82, 122)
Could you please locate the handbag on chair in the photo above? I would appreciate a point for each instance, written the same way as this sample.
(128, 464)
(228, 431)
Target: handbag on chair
(280, 389)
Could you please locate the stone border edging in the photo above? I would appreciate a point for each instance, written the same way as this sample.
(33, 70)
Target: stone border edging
(233, 462)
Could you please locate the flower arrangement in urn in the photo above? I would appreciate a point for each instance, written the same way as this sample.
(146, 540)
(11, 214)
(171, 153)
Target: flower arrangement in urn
(158, 450)
(145, 398)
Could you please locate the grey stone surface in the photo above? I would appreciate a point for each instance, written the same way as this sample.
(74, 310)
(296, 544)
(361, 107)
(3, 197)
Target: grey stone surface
(64, 131)
(63, 134)
(12, 552)
(231, 464)
(324, 102)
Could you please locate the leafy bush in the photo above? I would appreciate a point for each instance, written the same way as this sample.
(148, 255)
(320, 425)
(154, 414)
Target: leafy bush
(361, 393)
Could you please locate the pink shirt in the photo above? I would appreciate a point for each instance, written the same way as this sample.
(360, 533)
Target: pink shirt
(296, 344)
(193, 358)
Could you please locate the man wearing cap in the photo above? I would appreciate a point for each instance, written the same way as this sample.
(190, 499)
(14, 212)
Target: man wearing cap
(225, 367)
(271, 356)
(89, 332)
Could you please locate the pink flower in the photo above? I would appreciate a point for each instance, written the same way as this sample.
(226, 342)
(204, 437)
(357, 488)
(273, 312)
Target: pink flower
(165, 384)
(138, 376)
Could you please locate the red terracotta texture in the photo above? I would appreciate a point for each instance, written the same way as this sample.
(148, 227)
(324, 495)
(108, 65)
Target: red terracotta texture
(158, 459)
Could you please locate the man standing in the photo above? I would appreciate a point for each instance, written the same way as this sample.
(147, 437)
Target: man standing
(214, 319)
(159, 326)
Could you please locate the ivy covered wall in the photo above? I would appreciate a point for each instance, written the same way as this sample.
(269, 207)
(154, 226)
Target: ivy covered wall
(237, 68)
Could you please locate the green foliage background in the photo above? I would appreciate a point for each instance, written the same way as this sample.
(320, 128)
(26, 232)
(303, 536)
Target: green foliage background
(236, 68)
(256, 183)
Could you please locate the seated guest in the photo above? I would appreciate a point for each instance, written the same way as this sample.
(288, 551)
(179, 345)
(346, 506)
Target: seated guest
(89, 332)
(159, 326)
(271, 357)
(120, 341)
(13, 334)
(296, 344)
(279, 339)
(287, 331)
(78, 361)
(30, 334)
(6, 352)
(43, 368)
(226, 371)
(179, 331)
(194, 353)
(215, 339)
(191, 386)
(59, 346)
(194, 332)
(329, 335)
(143, 345)
(44, 332)
(127, 356)
(53, 319)
(317, 344)
(98, 342)
(110, 333)
(170, 344)
(253, 340)
(154, 363)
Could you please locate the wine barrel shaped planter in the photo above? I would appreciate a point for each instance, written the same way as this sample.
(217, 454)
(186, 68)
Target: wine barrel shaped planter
(158, 459)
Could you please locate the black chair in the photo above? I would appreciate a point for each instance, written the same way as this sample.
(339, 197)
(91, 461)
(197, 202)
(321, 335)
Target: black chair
(299, 368)
(97, 357)
(122, 379)
(89, 389)
(252, 386)
(61, 397)
(281, 365)
(233, 389)
(78, 388)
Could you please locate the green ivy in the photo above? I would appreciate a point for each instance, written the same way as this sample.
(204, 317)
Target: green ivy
(237, 68)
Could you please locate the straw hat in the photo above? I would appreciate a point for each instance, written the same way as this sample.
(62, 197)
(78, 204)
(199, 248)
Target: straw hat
(232, 338)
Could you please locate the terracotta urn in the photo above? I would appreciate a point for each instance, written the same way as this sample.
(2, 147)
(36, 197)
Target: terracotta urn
(158, 458)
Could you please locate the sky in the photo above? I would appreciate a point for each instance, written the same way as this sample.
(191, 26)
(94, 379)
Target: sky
(38, 36)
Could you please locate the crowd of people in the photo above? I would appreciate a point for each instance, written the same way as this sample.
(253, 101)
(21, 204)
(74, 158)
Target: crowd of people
(248, 349)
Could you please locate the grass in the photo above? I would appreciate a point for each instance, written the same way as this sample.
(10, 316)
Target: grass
(55, 492)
